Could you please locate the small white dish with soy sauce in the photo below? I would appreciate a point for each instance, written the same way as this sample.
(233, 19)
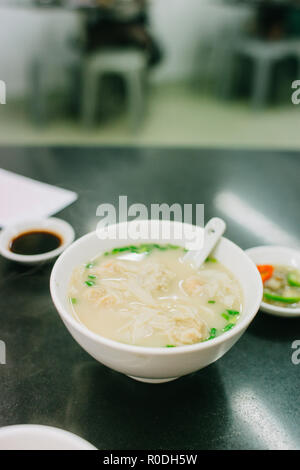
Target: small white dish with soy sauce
(36, 241)
(280, 270)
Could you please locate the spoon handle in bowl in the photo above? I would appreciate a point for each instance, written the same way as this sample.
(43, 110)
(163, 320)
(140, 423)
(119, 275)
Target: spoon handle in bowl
(213, 231)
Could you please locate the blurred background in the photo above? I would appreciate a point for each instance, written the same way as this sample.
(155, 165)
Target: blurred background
(156, 72)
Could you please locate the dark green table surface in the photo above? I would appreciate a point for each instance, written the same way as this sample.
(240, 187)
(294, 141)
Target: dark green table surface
(249, 399)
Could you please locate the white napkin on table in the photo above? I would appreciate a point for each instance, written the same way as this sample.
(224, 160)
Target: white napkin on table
(23, 198)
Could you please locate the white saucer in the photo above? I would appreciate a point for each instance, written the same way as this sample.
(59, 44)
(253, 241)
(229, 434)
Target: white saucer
(53, 224)
(282, 256)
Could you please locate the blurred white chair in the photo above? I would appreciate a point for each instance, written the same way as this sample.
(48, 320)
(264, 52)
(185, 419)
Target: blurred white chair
(264, 55)
(131, 65)
(295, 46)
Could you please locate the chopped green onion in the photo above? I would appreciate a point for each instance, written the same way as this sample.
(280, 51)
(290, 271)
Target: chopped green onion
(228, 327)
(232, 312)
(92, 276)
(73, 300)
(211, 259)
(123, 248)
(170, 346)
(213, 333)
(227, 317)
(118, 250)
(90, 283)
(144, 248)
(89, 265)
(211, 302)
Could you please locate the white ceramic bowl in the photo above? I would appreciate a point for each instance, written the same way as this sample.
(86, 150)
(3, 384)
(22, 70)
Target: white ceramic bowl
(281, 256)
(154, 364)
(53, 224)
(37, 437)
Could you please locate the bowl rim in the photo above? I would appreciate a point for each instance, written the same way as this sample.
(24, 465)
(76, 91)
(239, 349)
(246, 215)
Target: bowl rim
(63, 434)
(81, 328)
(269, 308)
(51, 223)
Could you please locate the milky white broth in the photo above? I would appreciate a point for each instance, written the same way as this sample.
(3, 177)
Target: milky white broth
(154, 298)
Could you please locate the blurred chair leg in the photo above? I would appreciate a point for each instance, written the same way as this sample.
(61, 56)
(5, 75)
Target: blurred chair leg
(226, 73)
(75, 84)
(298, 66)
(38, 94)
(89, 96)
(261, 82)
(135, 90)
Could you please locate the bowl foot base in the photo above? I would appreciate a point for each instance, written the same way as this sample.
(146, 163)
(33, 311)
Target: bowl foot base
(152, 381)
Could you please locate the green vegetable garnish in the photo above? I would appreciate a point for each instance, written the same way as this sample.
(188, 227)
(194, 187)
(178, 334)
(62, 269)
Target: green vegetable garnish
(123, 248)
(228, 326)
(211, 302)
(229, 314)
(73, 300)
(90, 283)
(211, 259)
(89, 265)
(224, 315)
(213, 333)
(232, 312)
(144, 248)
(293, 279)
(280, 298)
(170, 346)
(92, 276)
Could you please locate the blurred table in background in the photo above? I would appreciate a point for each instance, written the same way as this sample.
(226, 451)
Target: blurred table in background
(249, 399)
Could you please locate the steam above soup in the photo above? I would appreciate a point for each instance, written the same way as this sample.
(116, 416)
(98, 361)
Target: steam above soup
(147, 295)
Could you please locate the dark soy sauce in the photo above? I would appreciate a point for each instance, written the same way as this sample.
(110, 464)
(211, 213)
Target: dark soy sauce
(35, 242)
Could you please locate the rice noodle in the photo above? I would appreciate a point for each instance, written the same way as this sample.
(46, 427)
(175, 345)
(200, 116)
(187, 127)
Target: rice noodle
(151, 301)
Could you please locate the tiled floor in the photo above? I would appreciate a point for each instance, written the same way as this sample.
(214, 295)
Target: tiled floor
(177, 115)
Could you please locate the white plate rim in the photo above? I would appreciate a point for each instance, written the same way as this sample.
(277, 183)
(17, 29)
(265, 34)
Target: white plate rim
(17, 430)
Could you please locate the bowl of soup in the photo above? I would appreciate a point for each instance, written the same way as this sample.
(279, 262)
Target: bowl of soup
(137, 306)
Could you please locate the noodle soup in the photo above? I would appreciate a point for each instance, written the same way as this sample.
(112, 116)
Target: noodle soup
(147, 295)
